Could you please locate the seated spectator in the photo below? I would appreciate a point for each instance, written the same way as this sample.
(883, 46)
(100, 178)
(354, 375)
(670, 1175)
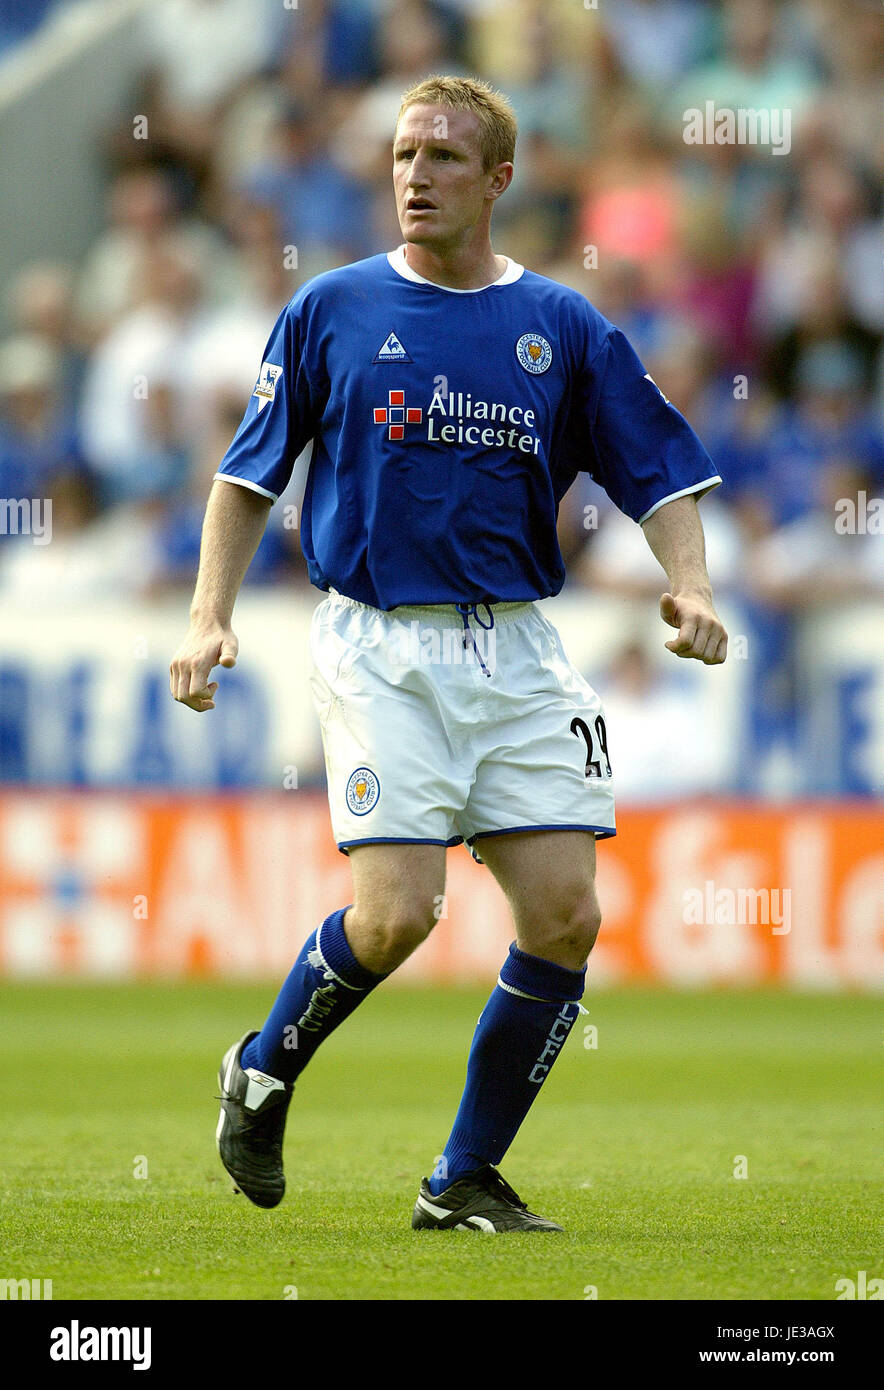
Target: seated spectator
(133, 400)
(40, 299)
(829, 424)
(760, 67)
(830, 554)
(36, 438)
(197, 53)
(142, 215)
(819, 265)
(319, 210)
(737, 432)
(631, 209)
(655, 44)
(414, 41)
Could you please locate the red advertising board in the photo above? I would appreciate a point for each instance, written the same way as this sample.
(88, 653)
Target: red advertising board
(130, 885)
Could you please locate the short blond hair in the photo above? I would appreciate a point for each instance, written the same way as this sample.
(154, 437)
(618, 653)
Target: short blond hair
(497, 121)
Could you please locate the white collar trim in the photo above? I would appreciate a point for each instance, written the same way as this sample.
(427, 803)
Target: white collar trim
(397, 260)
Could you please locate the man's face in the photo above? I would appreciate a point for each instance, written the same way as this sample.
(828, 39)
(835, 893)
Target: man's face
(441, 187)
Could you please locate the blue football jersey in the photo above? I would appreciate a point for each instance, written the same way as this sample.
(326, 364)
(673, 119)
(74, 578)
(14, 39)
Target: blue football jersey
(447, 425)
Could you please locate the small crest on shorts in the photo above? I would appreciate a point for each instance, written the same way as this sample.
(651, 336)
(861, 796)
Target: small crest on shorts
(363, 791)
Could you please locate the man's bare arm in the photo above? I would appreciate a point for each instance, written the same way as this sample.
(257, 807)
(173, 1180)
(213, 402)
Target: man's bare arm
(232, 529)
(675, 535)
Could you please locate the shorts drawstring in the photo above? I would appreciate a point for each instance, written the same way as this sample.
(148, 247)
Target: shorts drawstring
(467, 611)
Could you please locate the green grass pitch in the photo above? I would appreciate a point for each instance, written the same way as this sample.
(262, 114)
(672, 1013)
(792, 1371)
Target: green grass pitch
(632, 1146)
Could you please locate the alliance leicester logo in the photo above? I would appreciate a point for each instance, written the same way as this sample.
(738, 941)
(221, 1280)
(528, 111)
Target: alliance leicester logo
(534, 353)
(363, 791)
(391, 351)
(397, 415)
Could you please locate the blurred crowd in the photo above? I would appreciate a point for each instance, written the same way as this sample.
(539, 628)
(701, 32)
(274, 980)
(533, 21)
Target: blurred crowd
(749, 282)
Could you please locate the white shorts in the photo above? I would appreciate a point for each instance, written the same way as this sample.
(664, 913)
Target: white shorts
(426, 743)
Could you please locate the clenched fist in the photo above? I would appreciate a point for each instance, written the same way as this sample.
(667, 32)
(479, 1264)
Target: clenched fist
(700, 631)
(205, 646)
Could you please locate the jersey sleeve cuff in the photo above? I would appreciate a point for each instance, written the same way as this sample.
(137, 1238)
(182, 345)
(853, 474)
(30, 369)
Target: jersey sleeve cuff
(706, 486)
(244, 482)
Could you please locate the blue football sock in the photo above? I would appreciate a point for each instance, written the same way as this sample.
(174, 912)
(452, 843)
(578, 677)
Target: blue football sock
(325, 986)
(518, 1037)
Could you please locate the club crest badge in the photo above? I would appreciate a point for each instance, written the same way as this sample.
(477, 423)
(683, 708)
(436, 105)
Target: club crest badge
(363, 791)
(534, 353)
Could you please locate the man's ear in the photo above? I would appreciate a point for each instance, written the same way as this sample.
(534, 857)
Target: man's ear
(500, 180)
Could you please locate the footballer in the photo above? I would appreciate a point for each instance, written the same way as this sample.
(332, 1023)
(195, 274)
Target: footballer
(452, 397)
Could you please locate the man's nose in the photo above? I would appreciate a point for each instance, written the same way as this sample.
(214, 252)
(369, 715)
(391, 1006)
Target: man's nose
(419, 173)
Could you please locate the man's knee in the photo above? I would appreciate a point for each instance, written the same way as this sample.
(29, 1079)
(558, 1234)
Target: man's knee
(385, 934)
(579, 926)
(398, 891)
(567, 930)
